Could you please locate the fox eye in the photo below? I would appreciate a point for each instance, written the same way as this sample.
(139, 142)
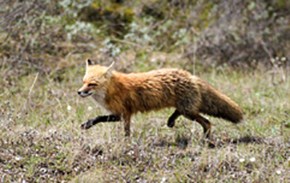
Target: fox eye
(92, 84)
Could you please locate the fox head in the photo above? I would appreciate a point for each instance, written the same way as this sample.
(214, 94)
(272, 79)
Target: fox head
(95, 79)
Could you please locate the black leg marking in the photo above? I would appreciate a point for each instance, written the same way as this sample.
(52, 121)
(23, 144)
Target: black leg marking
(172, 118)
(92, 122)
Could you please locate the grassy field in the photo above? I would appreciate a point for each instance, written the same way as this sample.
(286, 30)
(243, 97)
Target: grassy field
(41, 139)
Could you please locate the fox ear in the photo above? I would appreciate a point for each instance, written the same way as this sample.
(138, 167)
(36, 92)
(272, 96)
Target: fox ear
(89, 62)
(110, 70)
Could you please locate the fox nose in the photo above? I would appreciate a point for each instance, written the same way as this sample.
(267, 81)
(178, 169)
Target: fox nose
(84, 93)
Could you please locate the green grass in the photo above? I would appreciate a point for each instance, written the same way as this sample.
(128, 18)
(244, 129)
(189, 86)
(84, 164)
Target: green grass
(41, 139)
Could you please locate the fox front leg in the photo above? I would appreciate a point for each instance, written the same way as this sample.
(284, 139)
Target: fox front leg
(172, 118)
(99, 119)
(127, 121)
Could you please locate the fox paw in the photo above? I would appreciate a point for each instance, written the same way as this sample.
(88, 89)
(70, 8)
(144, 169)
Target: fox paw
(209, 142)
(170, 124)
(87, 125)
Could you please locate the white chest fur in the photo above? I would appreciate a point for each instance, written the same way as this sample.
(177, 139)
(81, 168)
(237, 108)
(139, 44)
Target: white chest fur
(100, 98)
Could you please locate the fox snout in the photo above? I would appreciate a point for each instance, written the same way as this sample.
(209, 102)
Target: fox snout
(85, 91)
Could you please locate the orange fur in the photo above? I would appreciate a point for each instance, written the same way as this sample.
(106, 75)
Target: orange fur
(126, 94)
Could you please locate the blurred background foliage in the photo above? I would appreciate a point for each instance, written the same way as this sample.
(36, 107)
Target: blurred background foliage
(49, 35)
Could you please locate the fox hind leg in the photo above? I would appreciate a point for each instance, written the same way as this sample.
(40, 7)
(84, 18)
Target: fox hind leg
(203, 122)
(172, 118)
(198, 118)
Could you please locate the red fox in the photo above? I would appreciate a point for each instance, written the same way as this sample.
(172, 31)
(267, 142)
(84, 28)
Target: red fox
(126, 94)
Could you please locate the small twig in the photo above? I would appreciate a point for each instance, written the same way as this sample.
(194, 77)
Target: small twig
(32, 86)
(126, 42)
(270, 55)
(28, 100)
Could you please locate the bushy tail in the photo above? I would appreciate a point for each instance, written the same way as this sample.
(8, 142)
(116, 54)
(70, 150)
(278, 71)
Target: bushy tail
(219, 105)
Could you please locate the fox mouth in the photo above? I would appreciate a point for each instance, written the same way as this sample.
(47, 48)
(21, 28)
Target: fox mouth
(84, 94)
